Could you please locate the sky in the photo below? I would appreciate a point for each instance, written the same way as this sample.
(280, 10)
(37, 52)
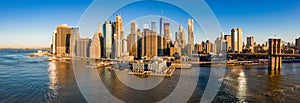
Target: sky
(30, 23)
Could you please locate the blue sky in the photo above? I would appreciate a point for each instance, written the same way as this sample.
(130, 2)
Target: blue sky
(31, 22)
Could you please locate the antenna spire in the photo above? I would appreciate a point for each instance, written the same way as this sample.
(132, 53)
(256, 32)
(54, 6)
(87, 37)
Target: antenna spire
(161, 12)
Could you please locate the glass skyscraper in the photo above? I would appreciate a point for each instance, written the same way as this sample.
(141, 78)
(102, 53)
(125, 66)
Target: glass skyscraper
(107, 33)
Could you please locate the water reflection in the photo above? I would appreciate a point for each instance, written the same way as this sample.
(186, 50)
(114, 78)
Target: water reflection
(273, 73)
(62, 84)
(242, 86)
(25, 79)
(52, 78)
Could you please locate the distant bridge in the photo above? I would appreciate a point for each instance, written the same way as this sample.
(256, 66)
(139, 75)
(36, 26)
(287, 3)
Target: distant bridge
(264, 54)
(274, 53)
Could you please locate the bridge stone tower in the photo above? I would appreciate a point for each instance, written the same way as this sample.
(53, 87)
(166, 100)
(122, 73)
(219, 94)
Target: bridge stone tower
(275, 60)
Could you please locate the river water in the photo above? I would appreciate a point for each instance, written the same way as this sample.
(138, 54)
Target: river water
(25, 79)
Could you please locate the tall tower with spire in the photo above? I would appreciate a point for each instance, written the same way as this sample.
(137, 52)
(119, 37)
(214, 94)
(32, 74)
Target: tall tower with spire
(160, 36)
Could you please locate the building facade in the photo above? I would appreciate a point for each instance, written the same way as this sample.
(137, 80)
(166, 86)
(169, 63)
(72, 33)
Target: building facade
(237, 40)
(95, 47)
(83, 47)
(151, 48)
(228, 42)
(190, 49)
(221, 45)
(107, 34)
(64, 42)
(118, 38)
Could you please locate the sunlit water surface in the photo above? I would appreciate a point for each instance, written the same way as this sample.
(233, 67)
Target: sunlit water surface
(25, 79)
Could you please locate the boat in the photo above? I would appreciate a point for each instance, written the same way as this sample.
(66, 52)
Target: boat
(39, 53)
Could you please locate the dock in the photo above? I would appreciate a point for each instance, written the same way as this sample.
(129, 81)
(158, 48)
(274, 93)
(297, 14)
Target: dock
(168, 73)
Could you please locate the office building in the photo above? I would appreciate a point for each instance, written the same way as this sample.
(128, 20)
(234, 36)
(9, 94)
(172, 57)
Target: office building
(150, 39)
(207, 46)
(83, 47)
(181, 37)
(190, 45)
(118, 35)
(95, 47)
(250, 41)
(191, 31)
(107, 37)
(160, 37)
(167, 35)
(198, 48)
(297, 45)
(124, 47)
(53, 43)
(177, 48)
(237, 40)
(141, 43)
(166, 39)
(228, 42)
(64, 40)
(133, 27)
(132, 45)
(213, 48)
(221, 43)
(153, 26)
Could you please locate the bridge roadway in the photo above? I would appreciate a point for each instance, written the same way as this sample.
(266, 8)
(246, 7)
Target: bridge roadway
(264, 54)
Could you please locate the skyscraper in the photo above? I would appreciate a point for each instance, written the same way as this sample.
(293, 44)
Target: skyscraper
(191, 31)
(64, 40)
(83, 47)
(132, 45)
(141, 41)
(297, 45)
(213, 48)
(153, 26)
(150, 38)
(124, 47)
(118, 24)
(181, 37)
(160, 37)
(53, 43)
(221, 43)
(107, 33)
(176, 47)
(207, 47)
(236, 40)
(166, 39)
(167, 35)
(161, 25)
(250, 41)
(95, 48)
(228, 40)
(198, 48)
(118, 41)
(134, 27)
(122, 44)
(190, 36)
(75, 37)
(132, 39)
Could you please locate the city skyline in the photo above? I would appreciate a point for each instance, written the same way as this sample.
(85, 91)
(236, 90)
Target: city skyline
(266, 21)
